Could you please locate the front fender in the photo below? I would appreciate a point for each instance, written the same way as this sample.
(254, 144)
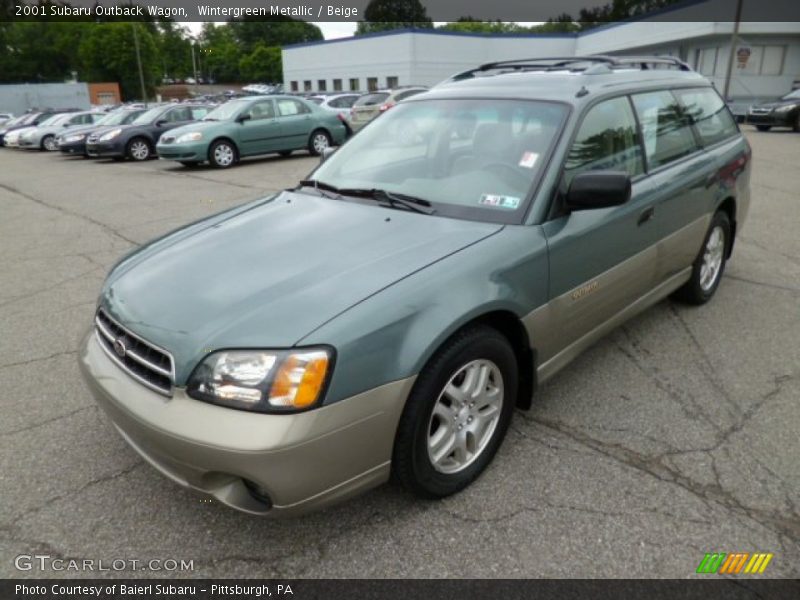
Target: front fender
(392, 334)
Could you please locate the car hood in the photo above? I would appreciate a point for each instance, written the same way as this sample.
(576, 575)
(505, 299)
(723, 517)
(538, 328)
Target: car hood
(777, 103)
(269, 275)
(84, 129)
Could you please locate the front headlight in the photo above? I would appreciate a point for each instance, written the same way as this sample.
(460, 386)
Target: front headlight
(263, 381)
(72, 138)
(786, 108)
(189, 137)
(110, 135)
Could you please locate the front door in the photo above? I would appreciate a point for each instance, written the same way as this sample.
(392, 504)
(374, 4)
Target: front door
(260, 133)
(601, 260)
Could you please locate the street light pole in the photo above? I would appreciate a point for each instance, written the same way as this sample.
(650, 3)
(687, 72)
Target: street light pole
(732, 55)
(194, 65)
(139, 63)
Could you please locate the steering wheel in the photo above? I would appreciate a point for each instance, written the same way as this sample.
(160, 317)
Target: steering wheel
(520, 178)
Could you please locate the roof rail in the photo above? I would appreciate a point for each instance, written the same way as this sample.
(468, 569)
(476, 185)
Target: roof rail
(595, 63)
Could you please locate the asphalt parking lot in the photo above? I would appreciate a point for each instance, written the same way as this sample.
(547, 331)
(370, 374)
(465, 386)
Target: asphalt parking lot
(675, 436)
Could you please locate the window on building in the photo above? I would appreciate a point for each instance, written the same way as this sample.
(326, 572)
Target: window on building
(372, 84)
(606, 140)
(354, 85)
(307, 85)
(322, 85)
(711, 118)
(106, 98)
(706, 61)
(392, 82)
(337, 85)
(294, 86)
(760, 60)
(666, 129)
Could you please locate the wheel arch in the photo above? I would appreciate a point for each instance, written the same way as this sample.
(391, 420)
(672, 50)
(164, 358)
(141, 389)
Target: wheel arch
(224, 138)
(728, 206)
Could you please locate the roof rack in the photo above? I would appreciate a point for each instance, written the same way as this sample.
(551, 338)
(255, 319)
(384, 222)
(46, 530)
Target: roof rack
(591, 65)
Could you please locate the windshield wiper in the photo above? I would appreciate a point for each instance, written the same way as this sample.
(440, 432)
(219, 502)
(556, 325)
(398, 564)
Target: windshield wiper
(322, 188)
(394, 199)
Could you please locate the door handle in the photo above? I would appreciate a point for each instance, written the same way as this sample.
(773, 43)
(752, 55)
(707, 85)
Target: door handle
(647, 214)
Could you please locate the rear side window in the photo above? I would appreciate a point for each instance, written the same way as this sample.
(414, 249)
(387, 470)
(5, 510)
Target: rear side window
(606, 140)
(372, 99)
(666, 129)
(288, 107)
(711, 118)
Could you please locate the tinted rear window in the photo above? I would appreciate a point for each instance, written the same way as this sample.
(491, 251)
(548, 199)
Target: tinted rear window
(708, 112)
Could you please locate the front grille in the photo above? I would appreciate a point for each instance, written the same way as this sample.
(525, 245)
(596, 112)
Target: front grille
(149, 365)
(92, 138)
(760, 111)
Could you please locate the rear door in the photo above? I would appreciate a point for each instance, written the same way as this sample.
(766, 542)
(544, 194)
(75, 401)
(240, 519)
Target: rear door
(261, 132)
(682, 176)
(601, 260)
(296, 122)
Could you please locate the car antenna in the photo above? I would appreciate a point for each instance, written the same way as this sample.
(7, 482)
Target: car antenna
(582, 92)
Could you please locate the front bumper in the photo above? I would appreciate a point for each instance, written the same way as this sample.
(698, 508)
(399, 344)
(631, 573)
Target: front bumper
(300, 461)
(100, 149)
(28, 143)
(197, 151)
(73, 147)
(774, 119)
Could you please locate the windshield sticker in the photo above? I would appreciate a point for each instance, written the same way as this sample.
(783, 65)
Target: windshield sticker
(528, 159)
(509, 202)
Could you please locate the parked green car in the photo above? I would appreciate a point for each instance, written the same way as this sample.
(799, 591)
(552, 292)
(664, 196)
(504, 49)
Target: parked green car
(251, 127)
(388, 314)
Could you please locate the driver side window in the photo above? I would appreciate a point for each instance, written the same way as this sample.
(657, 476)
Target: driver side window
(607, 140)
(261, 110)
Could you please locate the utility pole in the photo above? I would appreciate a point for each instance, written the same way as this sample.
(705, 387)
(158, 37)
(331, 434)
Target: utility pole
(194, 64)
(139, 63)
(732, 56)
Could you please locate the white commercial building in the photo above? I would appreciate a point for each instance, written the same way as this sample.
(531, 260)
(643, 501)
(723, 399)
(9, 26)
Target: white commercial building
(767, 54)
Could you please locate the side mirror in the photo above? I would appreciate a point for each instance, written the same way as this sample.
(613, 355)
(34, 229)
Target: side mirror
(161, 122)
(244, 117)
(598, 189)
(325, 154)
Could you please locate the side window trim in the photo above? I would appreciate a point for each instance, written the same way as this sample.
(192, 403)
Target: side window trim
(640, 139)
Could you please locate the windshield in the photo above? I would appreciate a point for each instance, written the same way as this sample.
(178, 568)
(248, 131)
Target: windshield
(148, 116)
(121, 117)
(227, 111)
(792, 95)
(474, 159)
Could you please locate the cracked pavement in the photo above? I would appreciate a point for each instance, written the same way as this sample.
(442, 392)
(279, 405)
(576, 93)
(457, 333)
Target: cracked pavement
(674, 436)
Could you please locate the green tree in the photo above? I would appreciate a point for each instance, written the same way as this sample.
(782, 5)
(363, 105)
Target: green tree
(470, 25)
(221, 53)
(107, 53)
(40, 51)
(278, 31)
(175, 50)
(385, 15)
(262, 64)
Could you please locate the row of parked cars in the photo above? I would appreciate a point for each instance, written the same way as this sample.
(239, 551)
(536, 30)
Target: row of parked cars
(196, 132)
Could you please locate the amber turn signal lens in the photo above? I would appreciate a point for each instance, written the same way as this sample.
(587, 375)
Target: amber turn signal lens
(299, 380)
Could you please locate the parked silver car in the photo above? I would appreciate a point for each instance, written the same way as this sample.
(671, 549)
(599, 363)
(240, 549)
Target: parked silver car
(44, 136)
(370, 105)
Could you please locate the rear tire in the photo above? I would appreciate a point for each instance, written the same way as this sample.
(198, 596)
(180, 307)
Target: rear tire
(457, 413)
(763, 127)
(318, 141)
(709, 264)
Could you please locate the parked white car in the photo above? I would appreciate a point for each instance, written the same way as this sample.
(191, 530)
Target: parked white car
(337, 103)
(44, 136)
(5, 117)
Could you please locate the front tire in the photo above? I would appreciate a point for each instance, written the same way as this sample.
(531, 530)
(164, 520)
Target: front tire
(318, 142)
(49, 143)
(222, 154)
(710, 263)
(138, 149)
(457, 413)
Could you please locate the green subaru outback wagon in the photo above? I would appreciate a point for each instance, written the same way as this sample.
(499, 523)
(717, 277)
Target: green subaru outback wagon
(387, 315)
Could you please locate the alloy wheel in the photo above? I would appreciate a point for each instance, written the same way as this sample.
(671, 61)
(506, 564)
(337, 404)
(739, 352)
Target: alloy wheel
(140, 150)
(223, 155)
(712, 258)
(320, 142)
(465, 416)
(50, 143)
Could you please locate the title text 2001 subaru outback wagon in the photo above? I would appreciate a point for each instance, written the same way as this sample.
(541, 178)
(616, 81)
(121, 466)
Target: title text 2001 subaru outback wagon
(387, 315)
